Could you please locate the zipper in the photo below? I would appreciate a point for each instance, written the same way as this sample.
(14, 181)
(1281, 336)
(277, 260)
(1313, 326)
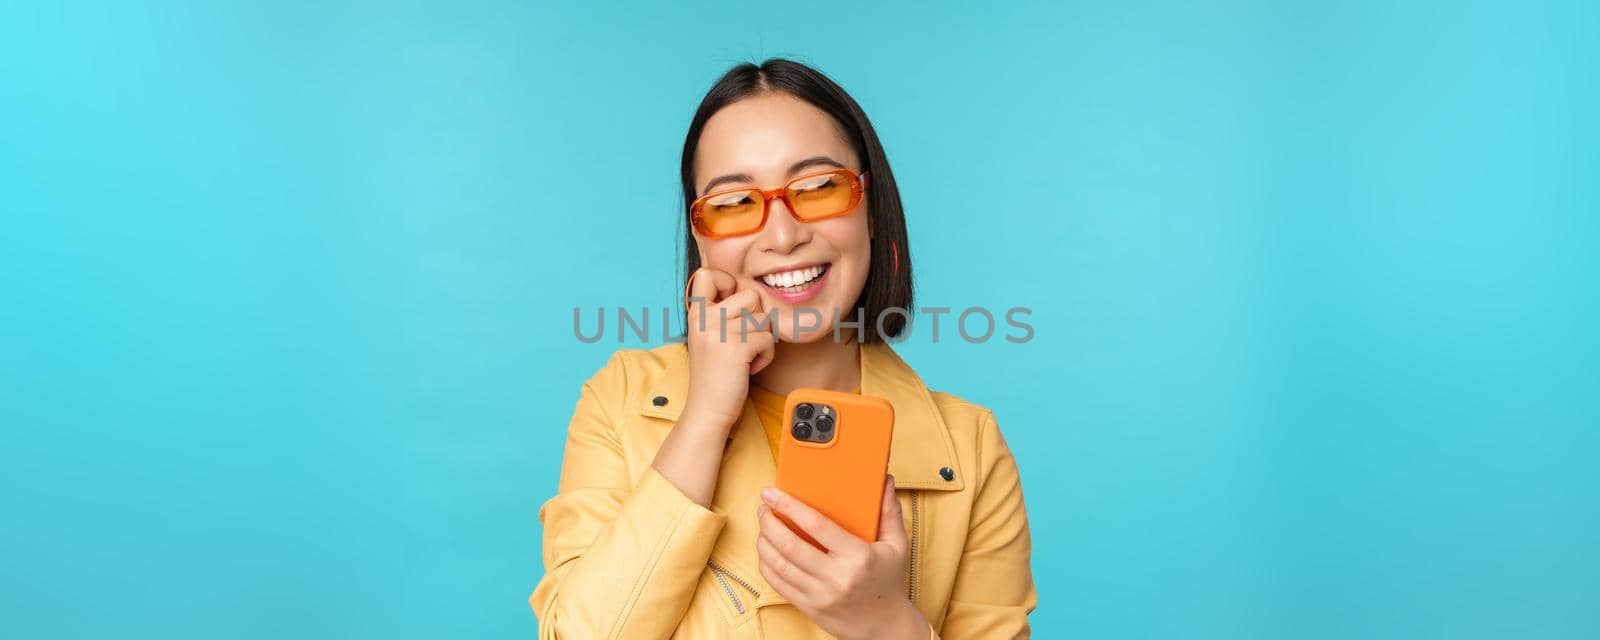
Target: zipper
(723, 576)
(916, 528)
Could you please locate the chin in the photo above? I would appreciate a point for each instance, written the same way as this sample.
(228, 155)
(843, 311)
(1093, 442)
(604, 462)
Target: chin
(818, 335)
(786, 330)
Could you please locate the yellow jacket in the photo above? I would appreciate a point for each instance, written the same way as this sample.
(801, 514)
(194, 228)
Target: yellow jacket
(628, 556)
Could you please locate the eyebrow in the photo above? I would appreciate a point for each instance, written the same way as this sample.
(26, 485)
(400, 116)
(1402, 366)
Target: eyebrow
(793, 169)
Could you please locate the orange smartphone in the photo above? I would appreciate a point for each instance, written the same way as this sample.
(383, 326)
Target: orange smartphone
(835, 457)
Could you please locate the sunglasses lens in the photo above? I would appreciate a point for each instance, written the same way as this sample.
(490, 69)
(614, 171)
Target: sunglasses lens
(823, 195)
(730, 213)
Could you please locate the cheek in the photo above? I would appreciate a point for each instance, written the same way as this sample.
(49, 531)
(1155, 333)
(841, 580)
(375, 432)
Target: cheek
(725, 255)
(849, 238)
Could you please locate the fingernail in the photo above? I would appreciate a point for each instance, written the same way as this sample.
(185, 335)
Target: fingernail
(770, 495)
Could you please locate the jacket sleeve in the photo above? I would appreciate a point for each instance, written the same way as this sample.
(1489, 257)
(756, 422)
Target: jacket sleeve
(994, 590)
(622, 556)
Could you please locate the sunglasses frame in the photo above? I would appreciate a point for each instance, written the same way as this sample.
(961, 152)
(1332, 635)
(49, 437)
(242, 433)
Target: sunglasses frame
(858, 188)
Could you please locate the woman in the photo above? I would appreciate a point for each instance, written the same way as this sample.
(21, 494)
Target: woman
(664, 522)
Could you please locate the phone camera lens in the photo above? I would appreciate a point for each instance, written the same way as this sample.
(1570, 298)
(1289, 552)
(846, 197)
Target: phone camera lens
(804, 411)
(802, 431)
(824, 423)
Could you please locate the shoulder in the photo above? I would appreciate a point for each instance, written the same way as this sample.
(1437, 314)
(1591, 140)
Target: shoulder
(638, 365)
(952, 405)
(972, 426)
(617, 394)
(961, 416)
(630, 374)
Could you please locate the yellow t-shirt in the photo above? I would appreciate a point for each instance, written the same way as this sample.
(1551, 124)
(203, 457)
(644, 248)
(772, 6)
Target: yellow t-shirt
(769, 407)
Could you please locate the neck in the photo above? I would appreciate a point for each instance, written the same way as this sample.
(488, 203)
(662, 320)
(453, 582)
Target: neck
(824, 364)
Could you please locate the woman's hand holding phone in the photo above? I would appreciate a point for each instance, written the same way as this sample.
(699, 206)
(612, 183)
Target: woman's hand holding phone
(855, 589)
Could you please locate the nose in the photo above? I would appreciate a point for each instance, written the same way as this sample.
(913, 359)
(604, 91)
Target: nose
(783, 232)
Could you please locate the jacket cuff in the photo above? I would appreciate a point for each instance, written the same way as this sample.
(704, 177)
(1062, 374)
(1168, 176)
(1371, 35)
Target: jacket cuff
(696, 527)
(679, 535)
(637, 578)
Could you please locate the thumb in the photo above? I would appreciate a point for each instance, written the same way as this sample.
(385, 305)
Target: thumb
(891, 528)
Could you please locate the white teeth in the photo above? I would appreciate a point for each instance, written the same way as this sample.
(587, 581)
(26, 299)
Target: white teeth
(790, 279)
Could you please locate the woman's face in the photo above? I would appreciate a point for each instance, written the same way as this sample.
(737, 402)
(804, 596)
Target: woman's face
(772, 138)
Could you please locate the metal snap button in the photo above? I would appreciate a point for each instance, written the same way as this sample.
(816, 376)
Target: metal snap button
(660, 401)
(947, 473)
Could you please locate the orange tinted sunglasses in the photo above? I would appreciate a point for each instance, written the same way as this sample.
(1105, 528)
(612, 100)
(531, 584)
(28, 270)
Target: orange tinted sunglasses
(737, 212)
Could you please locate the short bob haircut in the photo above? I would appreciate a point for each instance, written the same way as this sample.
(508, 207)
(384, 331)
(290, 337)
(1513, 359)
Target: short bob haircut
(886, 287)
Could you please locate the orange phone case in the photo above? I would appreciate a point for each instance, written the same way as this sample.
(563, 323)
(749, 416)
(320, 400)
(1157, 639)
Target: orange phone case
(843, 478)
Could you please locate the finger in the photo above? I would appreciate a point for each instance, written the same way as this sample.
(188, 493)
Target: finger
(743, 318)
(788, 579)
(712, 285)
(763, 342)
(767, 352)
(726, 313)
(807, 558)
(747, 300)
(818, 526)
(891, 528)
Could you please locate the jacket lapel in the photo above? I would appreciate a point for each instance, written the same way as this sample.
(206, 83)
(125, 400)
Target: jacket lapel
(922, 448)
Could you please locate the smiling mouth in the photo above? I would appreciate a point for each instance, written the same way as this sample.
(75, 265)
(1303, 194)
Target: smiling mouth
(795, 281)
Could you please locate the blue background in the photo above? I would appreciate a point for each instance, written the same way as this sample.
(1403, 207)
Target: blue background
(286, 298)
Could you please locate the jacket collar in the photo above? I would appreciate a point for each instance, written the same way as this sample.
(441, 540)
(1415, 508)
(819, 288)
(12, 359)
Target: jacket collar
(921, 448)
